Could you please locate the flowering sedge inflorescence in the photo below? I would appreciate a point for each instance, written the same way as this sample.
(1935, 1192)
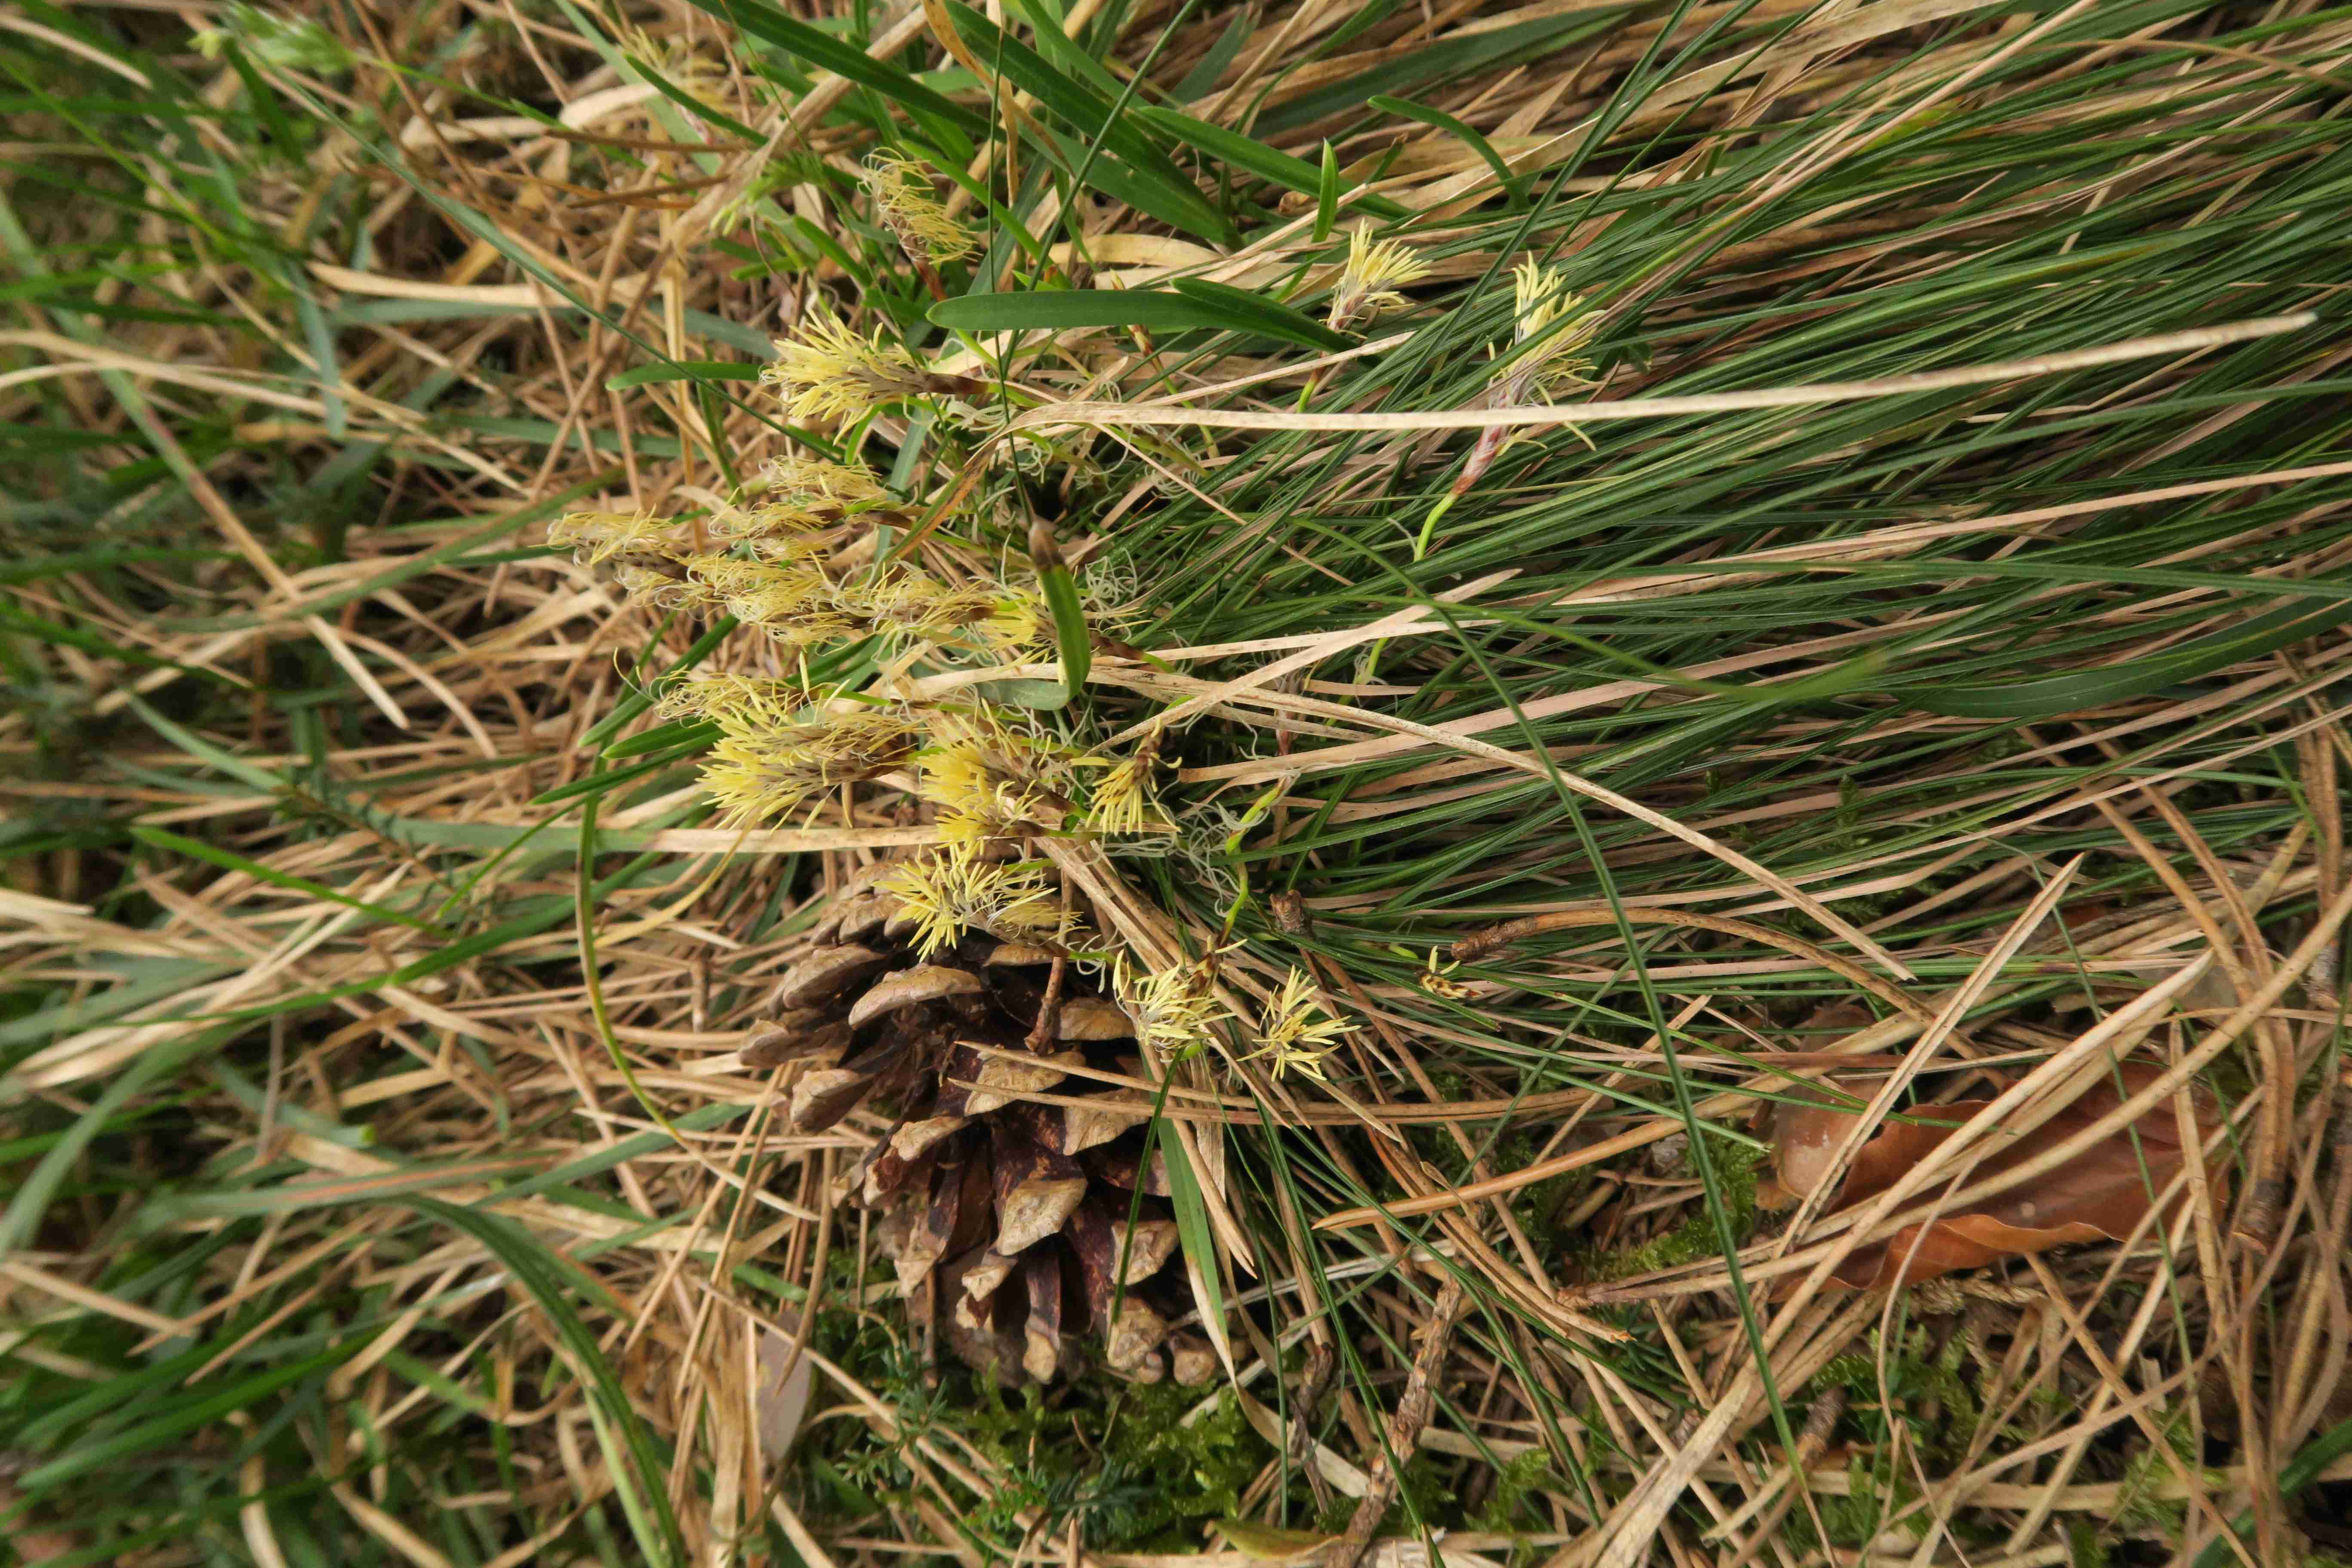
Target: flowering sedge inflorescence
(911, 210)
(772, 565)
(993, 777)
(1550, 328)
(950, 893)
(1178, 1012)
(1298, 1032)
(797, 556)
(778, 749)
(1368, 280)
(833, 373)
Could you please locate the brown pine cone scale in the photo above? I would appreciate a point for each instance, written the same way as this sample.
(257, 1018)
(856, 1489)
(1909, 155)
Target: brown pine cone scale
(1030, 1228)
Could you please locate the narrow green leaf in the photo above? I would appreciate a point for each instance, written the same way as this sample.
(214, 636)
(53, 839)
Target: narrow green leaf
(1447, 61)
(2092, 688)
(683, 370)
(203, 750)
(661, 738)
(1462, 129)
(2310, 1462)
(227, 860)
(691, 104)
(1070, 633)
(23, 1216)
(636, 1466)
(1252, 157)
(637, 702)
(421, 563)
(1063, 51)
(1192, 1229)
(701, 1118)
(190, 1414)
(765, 22)
(1175, 199)
(1185, 209)
(1202, 78)
(1327, 195)
(1211, 307)
(604, 783)
(89, 642)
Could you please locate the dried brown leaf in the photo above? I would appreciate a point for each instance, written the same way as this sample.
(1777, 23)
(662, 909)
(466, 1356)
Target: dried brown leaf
(2100, 1195)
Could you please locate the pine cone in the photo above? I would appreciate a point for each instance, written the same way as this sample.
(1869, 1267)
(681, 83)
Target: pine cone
(1031, 1222)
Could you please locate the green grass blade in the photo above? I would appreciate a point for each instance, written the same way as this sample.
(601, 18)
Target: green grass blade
(684, 370)
(1202, 307)
(1460, 129)
(639, 1470)
(770, 24)
(156, 837)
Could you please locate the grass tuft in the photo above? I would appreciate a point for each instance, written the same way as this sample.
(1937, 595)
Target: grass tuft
(1554, 572)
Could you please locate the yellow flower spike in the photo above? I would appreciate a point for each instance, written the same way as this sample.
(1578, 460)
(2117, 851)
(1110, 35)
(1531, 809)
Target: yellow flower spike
(1175, 1010)
(982, 780)
(833, 373)
(777, 529)
(948, 894)
(909, 604)
(662, 584)
(1542, 298)
(1437, 978)
(1298, 1033)
(766, 765)
(907, 205)
(815, 477)
(1368, 280)
(1121, 802)
(708, 696)
(1015, 620)
(786, 599)
(904, 601)
(598, 536)
(957, 775)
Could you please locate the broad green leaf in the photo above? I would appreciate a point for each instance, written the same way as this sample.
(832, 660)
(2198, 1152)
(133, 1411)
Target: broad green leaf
(1194, 1231)
(1263, 315)
(1070, 633)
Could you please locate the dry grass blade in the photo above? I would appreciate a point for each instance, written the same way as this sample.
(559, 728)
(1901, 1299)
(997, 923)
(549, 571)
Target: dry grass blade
(1614, 569)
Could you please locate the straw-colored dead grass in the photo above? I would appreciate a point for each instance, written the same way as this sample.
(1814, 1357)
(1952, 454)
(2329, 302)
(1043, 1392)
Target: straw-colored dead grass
(1996, 1420)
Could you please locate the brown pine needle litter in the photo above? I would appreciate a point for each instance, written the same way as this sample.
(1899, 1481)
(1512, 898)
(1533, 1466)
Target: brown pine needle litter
(1099, 784)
